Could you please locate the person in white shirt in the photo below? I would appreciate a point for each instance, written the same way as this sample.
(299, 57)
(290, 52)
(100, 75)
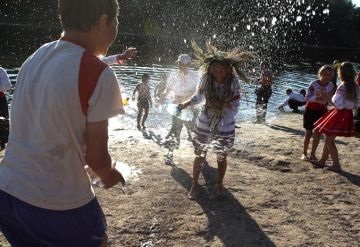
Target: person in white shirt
(181, 85)
(63, 98)
(293, 100)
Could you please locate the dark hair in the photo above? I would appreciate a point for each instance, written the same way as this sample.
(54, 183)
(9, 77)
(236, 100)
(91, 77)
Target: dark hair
(289, 90)
(82, 15)
(145, 77)
(303, 92)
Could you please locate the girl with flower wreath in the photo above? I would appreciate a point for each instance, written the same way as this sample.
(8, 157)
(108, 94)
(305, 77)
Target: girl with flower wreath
(215, 123)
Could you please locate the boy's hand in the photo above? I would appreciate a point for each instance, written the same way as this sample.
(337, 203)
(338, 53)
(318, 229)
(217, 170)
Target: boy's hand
(112, 178)
(129, 53)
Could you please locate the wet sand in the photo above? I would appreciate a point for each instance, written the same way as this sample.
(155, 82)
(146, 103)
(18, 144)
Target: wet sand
(272, 197)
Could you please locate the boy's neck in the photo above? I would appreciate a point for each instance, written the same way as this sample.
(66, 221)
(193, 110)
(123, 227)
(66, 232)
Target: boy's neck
(87, 40)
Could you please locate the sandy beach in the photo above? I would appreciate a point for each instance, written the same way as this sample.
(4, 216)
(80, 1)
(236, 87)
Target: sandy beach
(272, 197)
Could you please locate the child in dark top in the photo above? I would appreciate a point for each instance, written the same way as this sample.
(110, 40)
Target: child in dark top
(143, 101)
(263, 91)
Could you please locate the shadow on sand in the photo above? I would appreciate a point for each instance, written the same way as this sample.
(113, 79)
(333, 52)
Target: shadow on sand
(227, 218)
(169, 144)
(295, 131)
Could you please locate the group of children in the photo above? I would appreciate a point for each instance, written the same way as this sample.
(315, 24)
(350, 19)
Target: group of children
(317, 119)
(65, 128)
(329, 111)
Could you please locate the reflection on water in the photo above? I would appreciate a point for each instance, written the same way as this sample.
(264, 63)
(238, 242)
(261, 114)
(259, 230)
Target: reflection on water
(292, 76)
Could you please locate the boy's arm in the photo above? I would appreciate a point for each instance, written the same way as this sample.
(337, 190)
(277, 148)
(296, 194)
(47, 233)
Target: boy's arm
(97, 156)
(120, 58)
(134, 92)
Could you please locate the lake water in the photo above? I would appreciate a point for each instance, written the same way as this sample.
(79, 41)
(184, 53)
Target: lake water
(291, 76)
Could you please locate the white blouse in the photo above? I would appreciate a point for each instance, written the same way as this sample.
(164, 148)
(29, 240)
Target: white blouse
(340, 102)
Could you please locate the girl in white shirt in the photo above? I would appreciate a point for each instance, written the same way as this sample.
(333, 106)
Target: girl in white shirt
(339, 121)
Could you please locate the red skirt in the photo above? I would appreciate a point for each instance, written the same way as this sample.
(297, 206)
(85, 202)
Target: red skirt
(336, 123)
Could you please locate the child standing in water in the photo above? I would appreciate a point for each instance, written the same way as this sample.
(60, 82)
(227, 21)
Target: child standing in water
(143, 101)
(263, 92)
(317, 97)
(215, 122)
(339, 121)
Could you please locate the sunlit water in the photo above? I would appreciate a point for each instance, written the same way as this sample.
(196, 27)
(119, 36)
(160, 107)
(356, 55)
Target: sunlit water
(159, 120)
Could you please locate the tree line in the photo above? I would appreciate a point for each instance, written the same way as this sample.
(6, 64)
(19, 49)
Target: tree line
(283, 29)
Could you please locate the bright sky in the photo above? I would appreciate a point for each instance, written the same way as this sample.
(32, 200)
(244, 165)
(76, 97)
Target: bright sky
(356, 2)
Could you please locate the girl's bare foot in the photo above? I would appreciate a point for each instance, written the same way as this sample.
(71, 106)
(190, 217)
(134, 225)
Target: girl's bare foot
(194, 191)
(219, 192)
(304, 157)
(313, 158)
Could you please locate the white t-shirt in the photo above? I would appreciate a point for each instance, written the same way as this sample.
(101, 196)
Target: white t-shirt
(183, 86)
(59, 88)
(296, 96)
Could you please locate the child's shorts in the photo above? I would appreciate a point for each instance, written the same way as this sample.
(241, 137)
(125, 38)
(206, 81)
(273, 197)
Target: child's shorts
(310, 117)
(25, 225)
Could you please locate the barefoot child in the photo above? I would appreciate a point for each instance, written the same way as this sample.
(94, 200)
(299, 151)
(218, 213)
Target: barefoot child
(263, 91)
(215, 122)
(339, 121)
(317, 97)
(143, 101)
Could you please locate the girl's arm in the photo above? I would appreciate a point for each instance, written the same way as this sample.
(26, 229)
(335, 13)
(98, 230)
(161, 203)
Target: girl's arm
(310, 93)
(338, 99)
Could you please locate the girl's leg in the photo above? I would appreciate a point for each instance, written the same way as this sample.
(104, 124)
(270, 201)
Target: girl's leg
(222, 165)
(308, 134)
(324, 156)
(196, 173)
(315, 144)
(330, 143)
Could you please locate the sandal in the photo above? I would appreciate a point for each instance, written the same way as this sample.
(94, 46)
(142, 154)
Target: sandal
(193, 193)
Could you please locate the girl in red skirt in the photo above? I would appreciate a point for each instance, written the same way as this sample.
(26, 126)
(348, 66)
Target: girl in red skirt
(339, 121)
